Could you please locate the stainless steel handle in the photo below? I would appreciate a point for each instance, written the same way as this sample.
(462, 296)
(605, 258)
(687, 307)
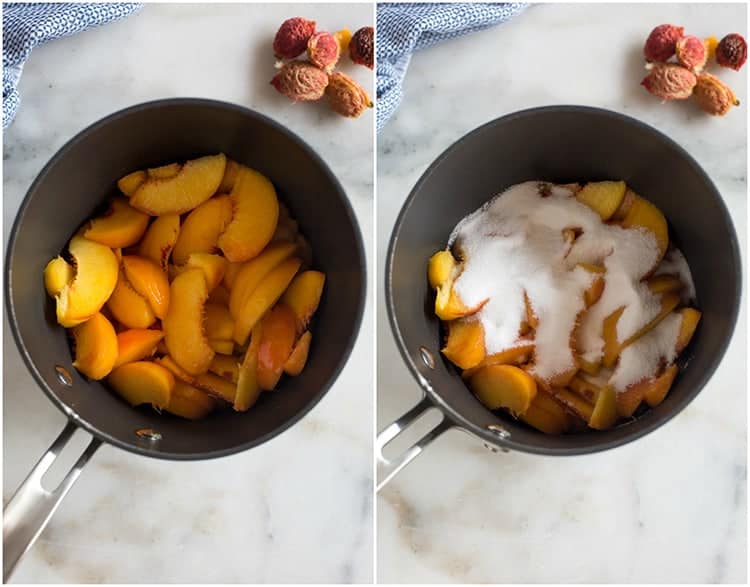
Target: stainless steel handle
(31, 507)
(388, 469)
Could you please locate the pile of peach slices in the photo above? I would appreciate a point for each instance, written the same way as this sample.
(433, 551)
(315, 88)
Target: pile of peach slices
(192, 291)
(565, 305)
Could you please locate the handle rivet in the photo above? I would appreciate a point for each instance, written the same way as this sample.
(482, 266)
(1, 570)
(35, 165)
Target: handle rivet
(148, 434)
(427, 357)
(64, 376)
(499, 431)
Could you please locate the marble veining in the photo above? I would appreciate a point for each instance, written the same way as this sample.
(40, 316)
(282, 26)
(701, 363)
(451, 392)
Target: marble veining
(671, 507)
(297, 509)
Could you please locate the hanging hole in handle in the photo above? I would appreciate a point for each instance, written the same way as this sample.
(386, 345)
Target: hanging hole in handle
(427, 357)
(64, 376)
(65, 460)
(417, 429)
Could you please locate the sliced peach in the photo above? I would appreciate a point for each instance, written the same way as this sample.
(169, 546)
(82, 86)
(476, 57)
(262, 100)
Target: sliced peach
(643, 214)
(595, 290)
(276, 344)
(574, 402)
(216, 386)
(57, 274)
(625, 205)
(219, 323)
(220, 296)
(664, 284)
(531, 317)
(464, 346)
(512, 356)
(96, 347)
(252, 273)
(131, 182)
(170, 365)
(183, 325)
(225, 366)
(248, 388)
(296, 362)
(255, 213)
(95, 279)
(546, 415)
(604, 197)
(213, 267)
(504, 386)
(121, 226)
(659, 388)
(189, 402)
(629, 399)
(147, 279)
(690, 319)
(264, 297)
(143, 382)
(592, 368)
(449, 306)
(129, 307)
(136, 344)
(221, 346)
(303, 296)
(160, 239)
(233, 270)
(201, 229)
(604, 415)
(441, 268)
(196, 181)
(165, 171)
(230, 177)
(587, 390)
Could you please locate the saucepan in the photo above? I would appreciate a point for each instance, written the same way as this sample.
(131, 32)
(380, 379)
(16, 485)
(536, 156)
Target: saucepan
(559, 144)
(66, 193)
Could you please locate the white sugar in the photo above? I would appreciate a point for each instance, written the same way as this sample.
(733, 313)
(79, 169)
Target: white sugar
(515, 244)
(643, 359)
(675, 264)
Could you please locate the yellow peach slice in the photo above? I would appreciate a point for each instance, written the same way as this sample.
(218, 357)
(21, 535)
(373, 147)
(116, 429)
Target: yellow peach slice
(248, 388)
(233, 270)
(220, 296)
(221, 346)
(594, 291)
(128, 306)
(574, 402)
(690, 319)
(219, 322)
(629, 399)
(511, 356)
(448, 306)
(213, 267)
(143, 382)
(189, 402)
(303, 296)
(95, 279)
(504, 386)
(136, 344)
(149, 281)
(201, 229)
(95, 346)
(643, 214)
(604, 197)
(592, 368)
(216, 386)
(230, 177)
(585, 389)
(664, 284)
(183, 325)
(604, 415)
(131, 182)
(264, 297)
(546, 415)
(255, 213)
(225, 366)
(121, 226)
(464, 346)
(169, 364)
(531, 318)
(196, 181)
(659, 388)
(57, 274)
(625, 205)
(441, 268)
(295, 364)
(252, 273)
(165, 171)
(160, 238)
(276, 344)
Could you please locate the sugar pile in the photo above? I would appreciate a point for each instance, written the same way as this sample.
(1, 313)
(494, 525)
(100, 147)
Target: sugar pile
(515, 244)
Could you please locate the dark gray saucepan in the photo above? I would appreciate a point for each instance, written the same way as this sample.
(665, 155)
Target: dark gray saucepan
(559, 144)
(66, 193)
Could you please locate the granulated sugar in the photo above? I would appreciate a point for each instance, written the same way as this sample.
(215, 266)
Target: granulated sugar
(675, 264)
(515, 244)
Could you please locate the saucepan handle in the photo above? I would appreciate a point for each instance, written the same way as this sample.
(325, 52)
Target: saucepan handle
(31, 507)
(389, 468)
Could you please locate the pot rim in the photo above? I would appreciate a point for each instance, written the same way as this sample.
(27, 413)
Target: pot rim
(20, 215)
(489, 436)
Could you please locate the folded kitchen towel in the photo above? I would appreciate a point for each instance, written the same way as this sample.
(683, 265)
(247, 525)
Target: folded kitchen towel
(403, 28)
(26, 25)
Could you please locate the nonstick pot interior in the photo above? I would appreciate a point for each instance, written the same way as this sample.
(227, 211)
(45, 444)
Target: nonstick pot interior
(561, 144)
(75, 183)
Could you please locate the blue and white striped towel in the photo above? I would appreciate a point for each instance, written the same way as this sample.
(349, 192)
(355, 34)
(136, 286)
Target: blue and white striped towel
(26, 25)
(403, 28)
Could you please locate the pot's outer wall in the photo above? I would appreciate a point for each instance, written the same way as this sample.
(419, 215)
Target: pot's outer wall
(562, 144)
(75, 183)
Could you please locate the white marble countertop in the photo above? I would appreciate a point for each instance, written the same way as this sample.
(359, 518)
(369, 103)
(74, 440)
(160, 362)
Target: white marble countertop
(298, 509)
(670, 507)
